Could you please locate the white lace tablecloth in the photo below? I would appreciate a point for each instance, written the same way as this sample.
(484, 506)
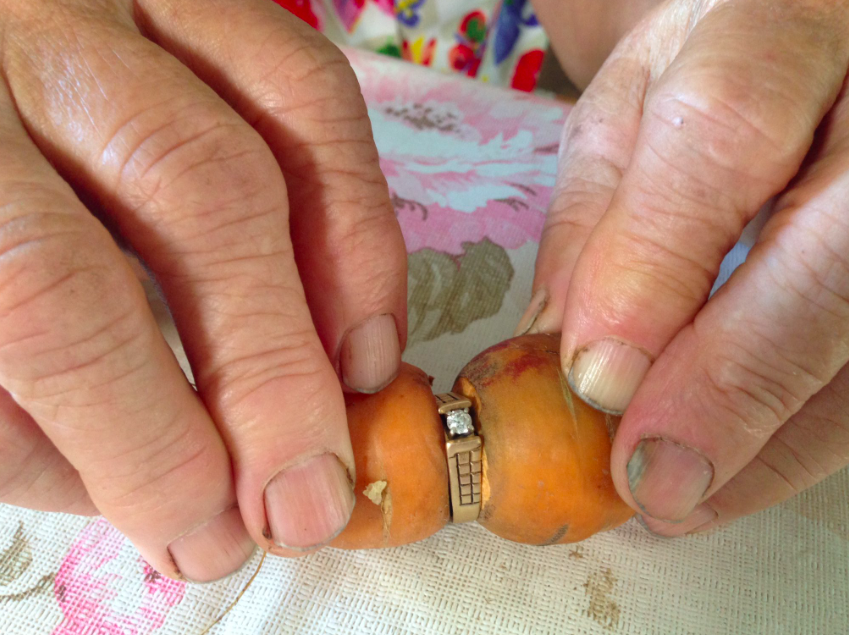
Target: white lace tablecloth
(470, 169)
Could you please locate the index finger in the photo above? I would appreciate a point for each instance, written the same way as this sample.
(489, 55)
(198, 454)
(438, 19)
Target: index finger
(299, 93)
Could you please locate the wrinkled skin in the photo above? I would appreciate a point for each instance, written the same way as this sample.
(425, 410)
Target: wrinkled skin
(229, 144)
(704, 111)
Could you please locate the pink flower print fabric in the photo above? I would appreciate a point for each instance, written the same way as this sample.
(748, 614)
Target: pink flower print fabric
(99, 593)
(464, 162)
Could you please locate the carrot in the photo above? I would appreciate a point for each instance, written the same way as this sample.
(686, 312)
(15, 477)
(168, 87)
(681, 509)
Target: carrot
(546, 454)
(402, 474)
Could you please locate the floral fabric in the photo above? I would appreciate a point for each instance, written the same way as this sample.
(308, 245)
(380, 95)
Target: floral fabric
(495, 41)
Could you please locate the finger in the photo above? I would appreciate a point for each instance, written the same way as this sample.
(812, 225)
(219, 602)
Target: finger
(33, 473)
(811, 446)
(721, 133)
(596, 145)
(80, 352)
(771, 338)
(286, 80)
(201, 198)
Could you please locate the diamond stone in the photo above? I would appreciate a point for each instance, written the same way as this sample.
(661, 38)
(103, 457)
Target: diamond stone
(459, 423)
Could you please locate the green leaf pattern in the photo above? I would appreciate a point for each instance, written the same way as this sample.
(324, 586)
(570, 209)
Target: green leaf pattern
(15, 559)
(447, 292)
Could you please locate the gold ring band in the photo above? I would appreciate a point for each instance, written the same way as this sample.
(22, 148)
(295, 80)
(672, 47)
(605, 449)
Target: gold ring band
(463, 451)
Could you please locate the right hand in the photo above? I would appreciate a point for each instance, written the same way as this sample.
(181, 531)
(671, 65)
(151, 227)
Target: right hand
(229, 145)
(707, 110)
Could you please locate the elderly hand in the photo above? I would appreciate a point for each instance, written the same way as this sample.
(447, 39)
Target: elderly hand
(229, 145)
(702, 114)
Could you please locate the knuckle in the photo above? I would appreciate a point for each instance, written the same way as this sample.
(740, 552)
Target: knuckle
(815, 441)
(39, 251)
(706, 139)
(594, 141)
(35, 476)
(759, 390)
(372, 232)
(580, 198)
(173, 457)
(798, 460)
(51, 339)
(206, 176)
(582, 193)
(290, 359)
(588, 171)
(566, 222)
(644, 267)
(186, 145)
(313, 82)
(308, 80)
(819, 442)
(346, 177)
(369, 258)
(821, 281)
(724, 105)
(288, 62)
(791, 475)
(82, 367)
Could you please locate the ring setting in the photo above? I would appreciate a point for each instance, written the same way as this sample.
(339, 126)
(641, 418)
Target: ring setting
(463, 452)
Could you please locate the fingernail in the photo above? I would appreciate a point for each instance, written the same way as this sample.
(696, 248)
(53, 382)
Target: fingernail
(214, 550)
(668, 480)
(702, 516)
(371, 354)
(607, 373)
(536, 306)
(309, 504)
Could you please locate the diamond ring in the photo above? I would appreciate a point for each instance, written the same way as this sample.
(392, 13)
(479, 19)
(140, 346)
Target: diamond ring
(463, 451)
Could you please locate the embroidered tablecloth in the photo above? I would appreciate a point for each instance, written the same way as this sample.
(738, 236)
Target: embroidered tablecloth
(470, 170)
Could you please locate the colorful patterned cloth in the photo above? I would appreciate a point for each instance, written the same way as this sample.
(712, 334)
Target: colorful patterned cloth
(470, 170)
(496, 41)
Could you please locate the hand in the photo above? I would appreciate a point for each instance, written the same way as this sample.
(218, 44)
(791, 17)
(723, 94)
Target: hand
(229, 145)
(702, 114)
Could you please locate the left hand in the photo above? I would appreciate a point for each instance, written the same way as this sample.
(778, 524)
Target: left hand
(703, 113)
